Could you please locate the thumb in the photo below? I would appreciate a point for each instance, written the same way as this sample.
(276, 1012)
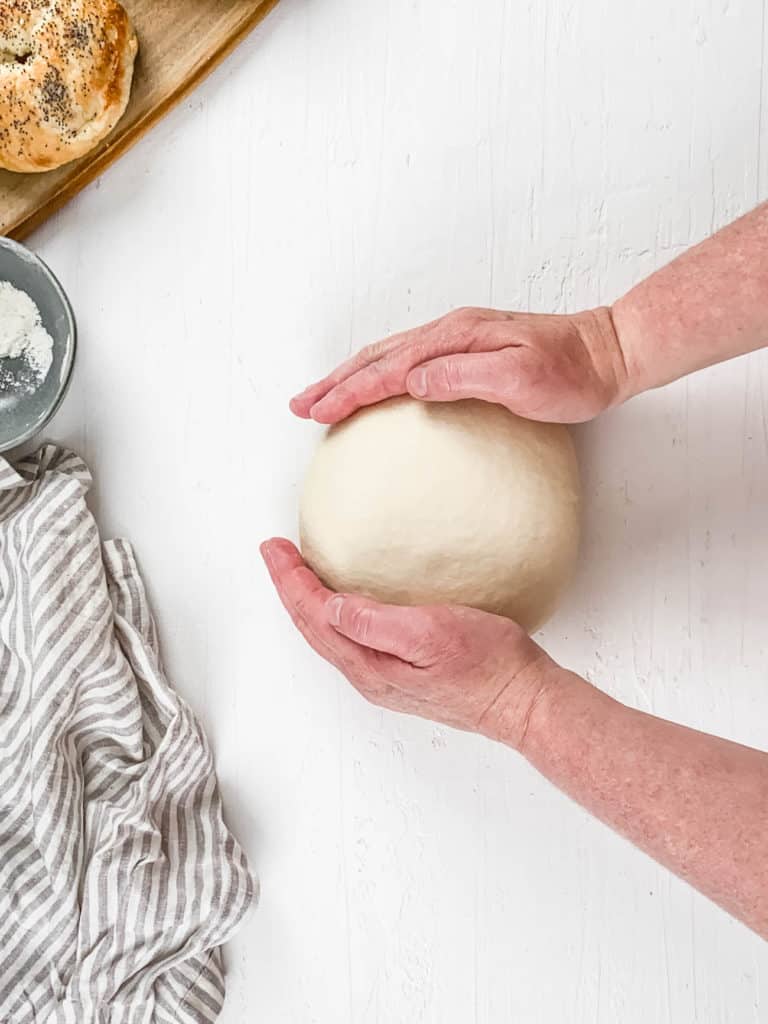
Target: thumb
(413, 634)
(450, 378)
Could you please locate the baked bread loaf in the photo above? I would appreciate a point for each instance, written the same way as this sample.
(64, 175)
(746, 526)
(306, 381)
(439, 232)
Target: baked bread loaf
(65, 78)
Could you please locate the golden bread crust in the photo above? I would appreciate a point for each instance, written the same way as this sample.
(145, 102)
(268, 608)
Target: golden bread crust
(66, 68)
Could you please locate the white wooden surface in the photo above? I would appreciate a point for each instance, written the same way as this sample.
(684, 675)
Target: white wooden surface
(355, 168)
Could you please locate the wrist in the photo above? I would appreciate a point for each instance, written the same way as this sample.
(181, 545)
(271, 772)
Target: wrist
(630, 328)
(567, 708)
(600, 337)
(521, 708)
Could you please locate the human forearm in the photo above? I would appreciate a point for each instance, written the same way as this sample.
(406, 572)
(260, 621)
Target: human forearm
(708, 305)
(696, 803)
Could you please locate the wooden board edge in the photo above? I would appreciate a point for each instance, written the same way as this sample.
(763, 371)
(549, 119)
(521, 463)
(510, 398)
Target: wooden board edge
(22, 228)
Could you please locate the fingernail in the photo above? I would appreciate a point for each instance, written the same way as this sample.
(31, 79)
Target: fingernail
(417, 383)
(334, 610)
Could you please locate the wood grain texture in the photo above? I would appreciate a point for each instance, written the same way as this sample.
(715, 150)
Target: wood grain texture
(180, 42)
(353, 169)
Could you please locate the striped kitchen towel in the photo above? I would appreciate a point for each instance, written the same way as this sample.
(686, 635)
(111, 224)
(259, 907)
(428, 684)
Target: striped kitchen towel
(119, 880)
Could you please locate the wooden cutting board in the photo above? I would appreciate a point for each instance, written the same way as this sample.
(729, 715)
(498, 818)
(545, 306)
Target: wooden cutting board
(180, 41)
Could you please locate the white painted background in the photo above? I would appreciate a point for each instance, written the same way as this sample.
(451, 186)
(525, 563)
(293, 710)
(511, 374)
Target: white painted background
(357, 167)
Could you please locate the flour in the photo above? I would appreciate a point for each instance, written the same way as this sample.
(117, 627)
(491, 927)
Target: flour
(22, 336)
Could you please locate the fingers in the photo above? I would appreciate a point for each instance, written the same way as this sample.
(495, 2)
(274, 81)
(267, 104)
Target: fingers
(292, 578)
(448, 377)
(484, 375)
(303, 403)
(413, 635)
(380, 370)
(383, 379)
(306, 601)
(456, 665)
(304, 598)
(406, 633)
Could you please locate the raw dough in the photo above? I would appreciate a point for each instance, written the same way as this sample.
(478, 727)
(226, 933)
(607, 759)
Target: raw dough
(431, 503)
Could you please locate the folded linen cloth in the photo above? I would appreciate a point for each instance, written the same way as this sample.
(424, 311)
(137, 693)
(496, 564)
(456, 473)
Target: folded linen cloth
(118, 879)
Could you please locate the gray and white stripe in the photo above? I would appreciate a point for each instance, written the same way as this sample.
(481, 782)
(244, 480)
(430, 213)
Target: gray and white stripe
(119, 880)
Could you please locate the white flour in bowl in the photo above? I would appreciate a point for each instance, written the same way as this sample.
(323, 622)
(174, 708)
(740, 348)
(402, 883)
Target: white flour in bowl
(22, 336)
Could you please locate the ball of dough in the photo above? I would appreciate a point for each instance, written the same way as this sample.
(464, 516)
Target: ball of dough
(412, 502)
(65, 78)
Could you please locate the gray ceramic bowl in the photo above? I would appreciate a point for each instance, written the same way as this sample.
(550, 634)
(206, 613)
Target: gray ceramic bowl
(23, 415)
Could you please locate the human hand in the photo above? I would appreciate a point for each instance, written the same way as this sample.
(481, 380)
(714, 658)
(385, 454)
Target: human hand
(455, 665)
(563, 369)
